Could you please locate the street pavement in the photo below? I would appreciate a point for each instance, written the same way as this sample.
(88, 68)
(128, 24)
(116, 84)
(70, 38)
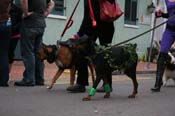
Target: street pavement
(39, 101)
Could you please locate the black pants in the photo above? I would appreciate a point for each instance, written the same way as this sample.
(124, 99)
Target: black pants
(4, 46)
(12, 47)
(104, 33)
(82, 78)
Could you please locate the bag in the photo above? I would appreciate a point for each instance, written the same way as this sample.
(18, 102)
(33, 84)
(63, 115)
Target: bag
(109, 11)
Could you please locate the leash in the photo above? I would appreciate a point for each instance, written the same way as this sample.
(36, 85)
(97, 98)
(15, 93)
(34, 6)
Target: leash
(135, 37)
(70, 21)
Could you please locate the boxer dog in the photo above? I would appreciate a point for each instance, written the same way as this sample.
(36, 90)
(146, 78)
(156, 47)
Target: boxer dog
(66, 55)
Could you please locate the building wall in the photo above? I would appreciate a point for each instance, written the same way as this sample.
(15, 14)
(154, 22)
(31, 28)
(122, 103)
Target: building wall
(124, 32)
(55, 26)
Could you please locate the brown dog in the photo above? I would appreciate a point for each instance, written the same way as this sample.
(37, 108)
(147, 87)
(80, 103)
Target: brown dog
(66, 55)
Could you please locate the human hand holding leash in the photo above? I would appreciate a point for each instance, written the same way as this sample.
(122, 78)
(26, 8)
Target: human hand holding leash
(75, 36)
(158, 12)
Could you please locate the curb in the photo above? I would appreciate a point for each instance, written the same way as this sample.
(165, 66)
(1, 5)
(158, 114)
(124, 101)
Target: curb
(146, 72)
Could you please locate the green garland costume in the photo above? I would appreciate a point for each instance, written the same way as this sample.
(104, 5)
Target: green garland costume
(107, 88)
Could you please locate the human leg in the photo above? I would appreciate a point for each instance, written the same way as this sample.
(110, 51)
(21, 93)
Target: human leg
(161, 63)
(12, 47)
(39, 72)
(105, 38)
(28, 56)
(82, 78)
(39, 64)
(4, 46)
(4, 70)
(167, 41)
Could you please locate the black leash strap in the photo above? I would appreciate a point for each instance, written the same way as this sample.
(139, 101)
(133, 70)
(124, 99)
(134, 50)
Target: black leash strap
(172, 17)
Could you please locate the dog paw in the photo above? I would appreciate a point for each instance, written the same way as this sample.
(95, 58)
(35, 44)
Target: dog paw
(49, 87)
(88, 98)
(107, 95)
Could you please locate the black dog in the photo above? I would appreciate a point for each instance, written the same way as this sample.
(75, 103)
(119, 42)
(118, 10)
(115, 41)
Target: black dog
(105, 61)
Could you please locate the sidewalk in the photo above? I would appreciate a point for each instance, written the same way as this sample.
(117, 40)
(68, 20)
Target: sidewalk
(50, 70)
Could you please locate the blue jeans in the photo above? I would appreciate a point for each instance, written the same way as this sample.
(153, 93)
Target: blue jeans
(4, 46)
(31, 40)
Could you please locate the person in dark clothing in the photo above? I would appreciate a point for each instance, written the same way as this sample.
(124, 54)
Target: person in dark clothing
(4, 42)
(103, 31)
(32, 30)
(167, 41)
(16, 19)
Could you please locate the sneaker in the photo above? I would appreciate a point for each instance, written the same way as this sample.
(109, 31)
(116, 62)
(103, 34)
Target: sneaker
(22, 83)
(76, 89)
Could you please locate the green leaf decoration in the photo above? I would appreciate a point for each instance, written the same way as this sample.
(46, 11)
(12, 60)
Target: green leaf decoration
(129, 51)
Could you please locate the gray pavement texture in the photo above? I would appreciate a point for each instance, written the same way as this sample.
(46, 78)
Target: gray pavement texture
(38, 101)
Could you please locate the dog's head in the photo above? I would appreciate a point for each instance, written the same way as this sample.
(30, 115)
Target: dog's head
(47, 52)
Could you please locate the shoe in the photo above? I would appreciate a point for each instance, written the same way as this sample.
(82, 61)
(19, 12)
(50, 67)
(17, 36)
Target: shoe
(39, 83)
(22, 83)
(161, 64)
(4, 85)
(76, 89)
(69, 88)
(156, 89)
(101, 89)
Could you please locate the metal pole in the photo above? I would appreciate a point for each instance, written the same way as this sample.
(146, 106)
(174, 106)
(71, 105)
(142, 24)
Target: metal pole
(152, 40)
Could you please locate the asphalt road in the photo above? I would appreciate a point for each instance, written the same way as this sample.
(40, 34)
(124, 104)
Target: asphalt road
(38, 101)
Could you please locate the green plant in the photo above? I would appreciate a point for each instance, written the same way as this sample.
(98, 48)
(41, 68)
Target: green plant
(142, 58)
